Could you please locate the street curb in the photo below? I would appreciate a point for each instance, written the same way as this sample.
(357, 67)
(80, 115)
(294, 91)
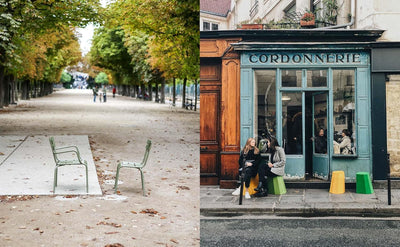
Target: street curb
(390, 211)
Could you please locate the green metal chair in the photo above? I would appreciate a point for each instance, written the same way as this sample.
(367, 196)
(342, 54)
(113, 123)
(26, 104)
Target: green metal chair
(59, 162)
(136, 165)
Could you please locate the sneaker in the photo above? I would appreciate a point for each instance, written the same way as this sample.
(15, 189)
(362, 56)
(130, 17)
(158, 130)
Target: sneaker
(247, 195)
(236, 192)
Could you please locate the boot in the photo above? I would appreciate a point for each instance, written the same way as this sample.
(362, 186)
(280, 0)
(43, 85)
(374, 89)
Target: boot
(261, 193)
(260, 184)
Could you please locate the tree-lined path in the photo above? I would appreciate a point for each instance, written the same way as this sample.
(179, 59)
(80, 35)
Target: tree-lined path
(117, 130)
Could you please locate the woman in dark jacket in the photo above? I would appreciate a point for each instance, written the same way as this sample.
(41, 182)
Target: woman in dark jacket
(274, 167)
(249, 160)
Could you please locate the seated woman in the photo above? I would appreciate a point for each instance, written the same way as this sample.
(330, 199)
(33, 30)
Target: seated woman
(345, 145)
(249, 160)
(274, 167)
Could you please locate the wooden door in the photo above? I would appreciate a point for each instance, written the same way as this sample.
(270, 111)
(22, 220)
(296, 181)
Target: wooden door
(210, 98)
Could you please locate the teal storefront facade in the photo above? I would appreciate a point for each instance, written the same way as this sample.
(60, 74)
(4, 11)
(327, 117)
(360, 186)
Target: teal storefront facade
(292, 91)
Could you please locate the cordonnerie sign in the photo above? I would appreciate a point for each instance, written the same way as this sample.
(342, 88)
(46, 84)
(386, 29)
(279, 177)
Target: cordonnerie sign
(282, 58)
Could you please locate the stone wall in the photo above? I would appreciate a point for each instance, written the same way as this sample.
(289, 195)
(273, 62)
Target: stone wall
(393, 122)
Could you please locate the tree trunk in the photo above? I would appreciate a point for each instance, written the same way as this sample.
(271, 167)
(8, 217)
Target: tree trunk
(34, 95)
(12, 90)
(163, 90)
(6, 90)
(174, 92)
(41, 88)
(156, 89)
(150, 88)
(195, 95)
(184, 93)
(25, 90)
(1, 86)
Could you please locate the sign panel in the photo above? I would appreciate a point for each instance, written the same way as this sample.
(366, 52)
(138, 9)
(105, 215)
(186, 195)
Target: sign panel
(277, 58)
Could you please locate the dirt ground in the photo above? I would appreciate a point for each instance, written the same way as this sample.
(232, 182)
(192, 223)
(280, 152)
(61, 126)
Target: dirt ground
(118, 130)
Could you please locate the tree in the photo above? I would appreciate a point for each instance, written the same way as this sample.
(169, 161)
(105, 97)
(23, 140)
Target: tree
(101, 78)
(24, 21)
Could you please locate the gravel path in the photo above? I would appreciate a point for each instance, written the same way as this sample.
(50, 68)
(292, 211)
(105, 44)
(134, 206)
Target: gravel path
(117, 130)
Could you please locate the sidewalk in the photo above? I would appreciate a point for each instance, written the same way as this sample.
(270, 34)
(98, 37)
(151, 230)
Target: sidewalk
(300, 202)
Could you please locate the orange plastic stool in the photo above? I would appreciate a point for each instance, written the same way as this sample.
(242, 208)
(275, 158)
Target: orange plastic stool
(253, 185)
(337, 183)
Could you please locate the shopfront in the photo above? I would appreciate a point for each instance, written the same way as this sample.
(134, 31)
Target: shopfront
(307, 99)
(312, 90)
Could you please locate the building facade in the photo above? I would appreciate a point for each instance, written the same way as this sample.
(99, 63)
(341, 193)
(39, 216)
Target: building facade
(293, 83)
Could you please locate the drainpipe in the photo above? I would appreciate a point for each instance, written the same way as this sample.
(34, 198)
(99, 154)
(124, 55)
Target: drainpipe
(351, 23)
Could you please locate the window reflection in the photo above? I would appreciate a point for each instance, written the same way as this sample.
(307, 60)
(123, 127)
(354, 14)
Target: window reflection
(292, 123)
(316, 78)
(266, 102)
(291, 78)
(344, 112)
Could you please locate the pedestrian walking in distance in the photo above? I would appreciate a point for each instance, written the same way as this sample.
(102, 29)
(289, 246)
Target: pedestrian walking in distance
(95, 93)
(114, 91)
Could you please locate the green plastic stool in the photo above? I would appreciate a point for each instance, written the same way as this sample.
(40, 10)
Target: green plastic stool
(363, 183)
(276, 186)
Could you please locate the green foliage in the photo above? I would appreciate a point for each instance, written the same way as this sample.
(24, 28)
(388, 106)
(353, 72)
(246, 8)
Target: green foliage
(65, 77)
(101, 78)
(24, 21)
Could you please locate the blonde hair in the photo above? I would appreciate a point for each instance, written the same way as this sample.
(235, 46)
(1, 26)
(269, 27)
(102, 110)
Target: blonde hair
(248, 146)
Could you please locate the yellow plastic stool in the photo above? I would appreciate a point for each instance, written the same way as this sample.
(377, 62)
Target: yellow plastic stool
(337, 182)
(253, 185)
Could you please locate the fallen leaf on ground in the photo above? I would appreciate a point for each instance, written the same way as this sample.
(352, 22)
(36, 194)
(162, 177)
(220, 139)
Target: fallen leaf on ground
(133, 212)
(183, 188)
(149, 211)
(111, 232)
(174, 241)
(114, 245)
(109, 224)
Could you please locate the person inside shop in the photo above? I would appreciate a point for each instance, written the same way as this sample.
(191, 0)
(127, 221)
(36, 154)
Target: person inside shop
(320, 142)
(272, 168)
(345, 145)
(248, 160)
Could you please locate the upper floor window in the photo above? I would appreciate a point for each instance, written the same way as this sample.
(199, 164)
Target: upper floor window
(207, 26)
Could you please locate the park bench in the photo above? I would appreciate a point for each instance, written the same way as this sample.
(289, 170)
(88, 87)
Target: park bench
(135, 165)
(57, 151)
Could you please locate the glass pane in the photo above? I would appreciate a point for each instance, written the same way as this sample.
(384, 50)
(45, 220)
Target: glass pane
(206, 26)
(291, 78)
(320, 123)
(344, 128)
(266, 102)
(292, 123)
(316, 78)
(214, 27)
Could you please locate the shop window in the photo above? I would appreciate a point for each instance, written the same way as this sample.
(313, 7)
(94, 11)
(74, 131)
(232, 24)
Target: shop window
(266, 102)
(291, 78)
(344, 112)
(317, 78)
(292, 123)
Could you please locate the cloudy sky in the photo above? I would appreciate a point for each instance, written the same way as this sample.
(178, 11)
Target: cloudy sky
(87, 33)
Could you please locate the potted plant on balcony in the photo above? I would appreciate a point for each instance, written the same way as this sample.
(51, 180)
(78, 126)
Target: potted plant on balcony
(307, 20)
(257, 24)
